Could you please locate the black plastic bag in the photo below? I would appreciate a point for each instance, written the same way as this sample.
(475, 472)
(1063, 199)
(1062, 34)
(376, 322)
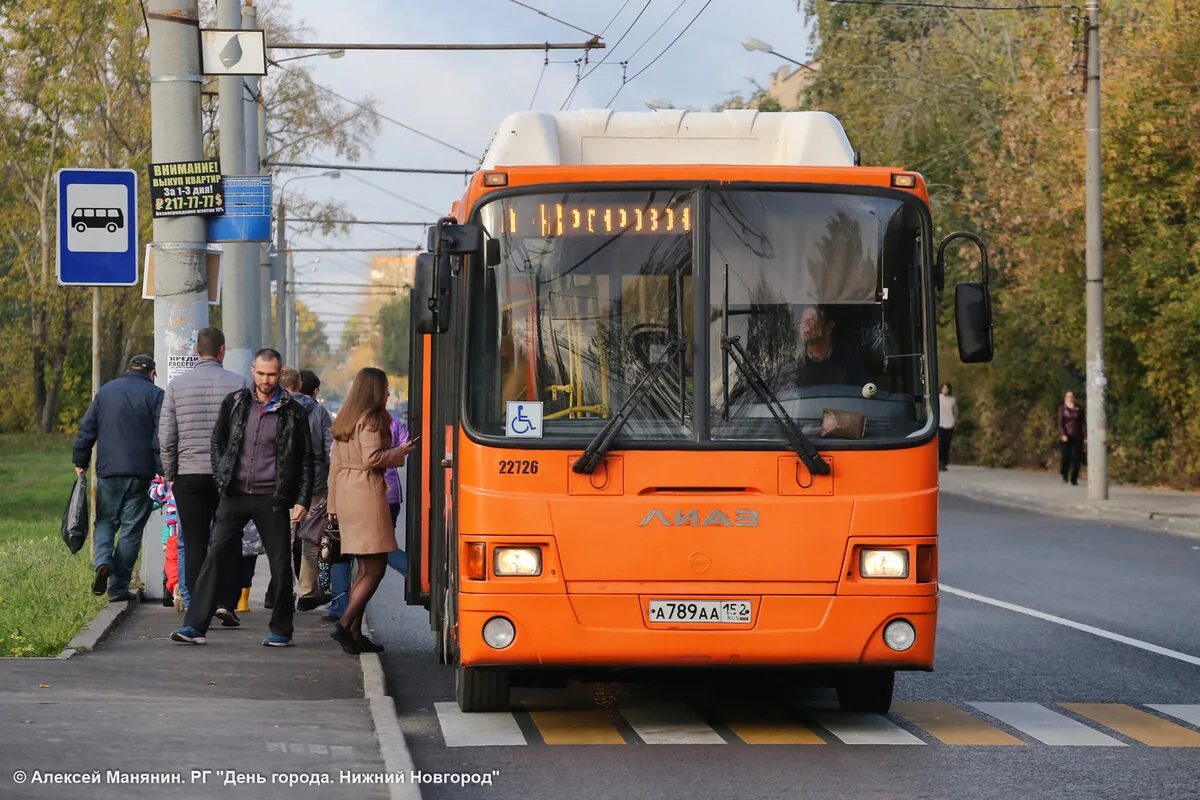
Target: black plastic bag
(75, 516)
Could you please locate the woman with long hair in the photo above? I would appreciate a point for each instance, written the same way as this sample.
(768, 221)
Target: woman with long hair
(362, 451)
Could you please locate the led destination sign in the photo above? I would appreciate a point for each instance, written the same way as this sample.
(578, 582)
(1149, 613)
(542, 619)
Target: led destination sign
(581, 219)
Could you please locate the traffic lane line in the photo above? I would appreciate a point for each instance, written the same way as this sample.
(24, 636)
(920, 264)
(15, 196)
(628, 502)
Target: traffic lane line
(668, 722)
(575, 726)
(1079, 626)
(485, 729)
(1188, 713)
(855, 727)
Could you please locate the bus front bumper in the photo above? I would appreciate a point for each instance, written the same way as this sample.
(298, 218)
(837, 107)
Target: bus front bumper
(614, 630)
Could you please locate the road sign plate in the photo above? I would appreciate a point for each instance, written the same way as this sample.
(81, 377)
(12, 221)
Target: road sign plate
(97, 227)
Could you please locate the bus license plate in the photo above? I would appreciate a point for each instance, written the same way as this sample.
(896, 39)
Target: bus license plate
(719, 611)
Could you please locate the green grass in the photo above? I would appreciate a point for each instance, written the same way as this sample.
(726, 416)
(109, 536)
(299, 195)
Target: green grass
(45, 592)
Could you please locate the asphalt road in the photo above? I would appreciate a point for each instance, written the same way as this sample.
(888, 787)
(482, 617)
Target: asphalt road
(1114, 581)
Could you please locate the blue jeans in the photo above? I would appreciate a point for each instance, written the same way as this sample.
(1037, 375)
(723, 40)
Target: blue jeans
(339, 580)
(183, 589)
(122, 503)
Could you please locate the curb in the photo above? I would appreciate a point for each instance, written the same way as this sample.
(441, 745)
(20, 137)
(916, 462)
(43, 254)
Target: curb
(98, 629)
(393, 748)
(1179, 526)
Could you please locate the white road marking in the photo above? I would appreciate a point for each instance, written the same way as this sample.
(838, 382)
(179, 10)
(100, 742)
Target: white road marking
(1079, 626)
(488, 729)
(1048, 727)
(669, 723)
(1188, 713)
(862, 728)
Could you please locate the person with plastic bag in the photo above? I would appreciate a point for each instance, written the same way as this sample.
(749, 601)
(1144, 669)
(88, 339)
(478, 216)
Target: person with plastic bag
(122, 424)
(75, 516)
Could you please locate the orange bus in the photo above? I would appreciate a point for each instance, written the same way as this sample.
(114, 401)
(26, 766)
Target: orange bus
(675, 376)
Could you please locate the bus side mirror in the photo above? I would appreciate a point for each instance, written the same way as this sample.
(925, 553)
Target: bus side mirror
(491, 252)
(448, 238)
(431, 306)
(972, 304)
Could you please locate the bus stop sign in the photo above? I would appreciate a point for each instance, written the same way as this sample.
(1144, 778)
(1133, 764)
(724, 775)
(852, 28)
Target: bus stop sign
(97, 227)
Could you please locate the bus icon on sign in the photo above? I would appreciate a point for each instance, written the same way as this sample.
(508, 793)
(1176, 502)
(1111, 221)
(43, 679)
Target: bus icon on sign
(110, 219)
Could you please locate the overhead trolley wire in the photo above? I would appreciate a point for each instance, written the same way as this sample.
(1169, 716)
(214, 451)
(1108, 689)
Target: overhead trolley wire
(662, 53)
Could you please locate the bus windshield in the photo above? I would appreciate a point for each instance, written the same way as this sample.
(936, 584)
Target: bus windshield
(819, 293)
(823, 294)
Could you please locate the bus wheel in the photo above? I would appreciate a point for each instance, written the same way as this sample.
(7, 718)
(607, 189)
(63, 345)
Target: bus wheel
(866, 690)
(481, 689)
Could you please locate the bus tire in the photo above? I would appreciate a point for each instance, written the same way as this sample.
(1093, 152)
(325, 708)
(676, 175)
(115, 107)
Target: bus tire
(481, 689)
(866, 690)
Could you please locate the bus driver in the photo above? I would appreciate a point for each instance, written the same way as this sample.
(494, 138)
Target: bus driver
(820, 363)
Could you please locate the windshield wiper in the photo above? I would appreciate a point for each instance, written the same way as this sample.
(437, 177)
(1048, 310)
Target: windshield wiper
(803, 447)
(600, 445)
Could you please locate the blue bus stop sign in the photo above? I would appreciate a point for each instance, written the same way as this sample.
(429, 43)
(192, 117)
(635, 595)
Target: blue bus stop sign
(97, 227)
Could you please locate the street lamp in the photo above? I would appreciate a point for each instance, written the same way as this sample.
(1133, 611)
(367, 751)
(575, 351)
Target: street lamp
(330, 53)
(758, 45)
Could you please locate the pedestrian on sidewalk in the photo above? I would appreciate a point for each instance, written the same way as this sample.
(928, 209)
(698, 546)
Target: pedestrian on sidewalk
(339, 573)
(263, 467)
(122, 423)
(189, 414)
(1072, 427)
(308, 533)
(358, 497)
(947, 416)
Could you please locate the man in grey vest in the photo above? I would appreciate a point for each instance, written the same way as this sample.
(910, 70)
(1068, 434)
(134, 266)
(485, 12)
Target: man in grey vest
(185, 428)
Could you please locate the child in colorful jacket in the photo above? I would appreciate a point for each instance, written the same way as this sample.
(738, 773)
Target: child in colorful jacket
(163, 498)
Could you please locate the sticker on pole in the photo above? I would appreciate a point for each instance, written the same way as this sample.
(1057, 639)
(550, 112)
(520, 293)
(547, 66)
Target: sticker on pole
(523, 419)
(97, 227)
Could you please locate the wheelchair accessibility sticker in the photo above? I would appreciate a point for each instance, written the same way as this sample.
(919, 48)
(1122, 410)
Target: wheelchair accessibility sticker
(523, 419)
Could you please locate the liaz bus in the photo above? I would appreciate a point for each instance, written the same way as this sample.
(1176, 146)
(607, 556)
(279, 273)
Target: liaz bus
(675, 376)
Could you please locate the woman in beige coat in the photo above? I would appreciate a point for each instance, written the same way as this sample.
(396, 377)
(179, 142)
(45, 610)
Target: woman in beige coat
(358, 496)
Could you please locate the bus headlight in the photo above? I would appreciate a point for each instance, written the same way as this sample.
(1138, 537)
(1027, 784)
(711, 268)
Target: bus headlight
(513, 561)
(883, 563)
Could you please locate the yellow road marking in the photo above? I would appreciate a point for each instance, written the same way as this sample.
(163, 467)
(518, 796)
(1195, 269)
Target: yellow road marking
(576, 726)
(767, 726)
(1139, 725)
(951, 725)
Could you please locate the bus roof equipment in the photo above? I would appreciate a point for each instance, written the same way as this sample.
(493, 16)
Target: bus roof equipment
(669, 136)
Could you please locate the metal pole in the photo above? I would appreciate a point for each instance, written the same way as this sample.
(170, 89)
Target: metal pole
(180, 278)
(278, 267)
(241, 262)
(254, 150)
(93, 483)
(293, 340)
(1097, 422)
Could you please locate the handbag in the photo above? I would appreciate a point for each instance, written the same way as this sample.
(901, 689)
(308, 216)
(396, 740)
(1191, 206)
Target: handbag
(329, 549)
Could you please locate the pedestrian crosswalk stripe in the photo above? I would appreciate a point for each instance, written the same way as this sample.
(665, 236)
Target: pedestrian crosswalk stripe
(669, 723)
(862, 728)
(1048, 727)
(477, 730)
(1188, 713)
(672, 722)
(766, 726)
(951, 725)
(575, 726)
(1137, 724)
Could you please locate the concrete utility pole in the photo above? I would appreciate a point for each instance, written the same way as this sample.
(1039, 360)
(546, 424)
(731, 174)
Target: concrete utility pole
(255, 121)
(239, 290)
(1097, 421)
(180, 277)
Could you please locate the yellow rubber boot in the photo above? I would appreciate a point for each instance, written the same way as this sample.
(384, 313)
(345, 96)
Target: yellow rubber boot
(244, 601)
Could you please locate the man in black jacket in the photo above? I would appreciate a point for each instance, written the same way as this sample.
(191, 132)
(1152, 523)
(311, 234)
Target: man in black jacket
(122, 422)
(262, 463)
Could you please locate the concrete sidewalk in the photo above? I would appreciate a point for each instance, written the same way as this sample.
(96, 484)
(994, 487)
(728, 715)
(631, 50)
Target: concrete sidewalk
(142, 704)
(1171, 510)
